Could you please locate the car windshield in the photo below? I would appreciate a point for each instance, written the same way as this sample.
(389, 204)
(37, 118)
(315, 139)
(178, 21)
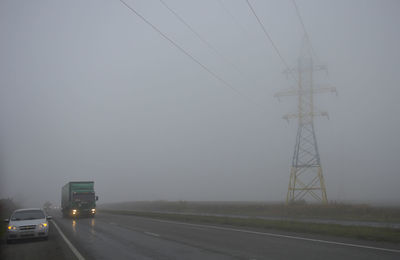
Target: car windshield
(27, 215)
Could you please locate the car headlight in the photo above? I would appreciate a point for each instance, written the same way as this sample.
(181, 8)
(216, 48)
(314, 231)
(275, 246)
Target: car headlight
(74, 211)
(12, 228)
(93, 210)
(43, 225)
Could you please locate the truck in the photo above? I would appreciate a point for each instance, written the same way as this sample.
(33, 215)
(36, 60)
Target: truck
(78, 199)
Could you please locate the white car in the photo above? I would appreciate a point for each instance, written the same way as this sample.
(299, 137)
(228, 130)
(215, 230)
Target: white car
(27, 223)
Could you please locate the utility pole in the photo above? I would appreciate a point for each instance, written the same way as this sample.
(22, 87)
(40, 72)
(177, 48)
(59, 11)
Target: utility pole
(306, 178)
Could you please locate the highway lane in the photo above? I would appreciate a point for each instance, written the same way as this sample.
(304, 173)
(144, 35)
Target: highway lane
(101, 238)
(110, 236)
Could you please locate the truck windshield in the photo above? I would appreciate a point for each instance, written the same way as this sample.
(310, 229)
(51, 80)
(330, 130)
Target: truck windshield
(27, 215)
(83, 197)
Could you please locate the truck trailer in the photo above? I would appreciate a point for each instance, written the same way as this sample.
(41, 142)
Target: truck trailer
(78, 199)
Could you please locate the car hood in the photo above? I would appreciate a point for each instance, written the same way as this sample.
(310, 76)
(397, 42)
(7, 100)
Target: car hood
(19, 223)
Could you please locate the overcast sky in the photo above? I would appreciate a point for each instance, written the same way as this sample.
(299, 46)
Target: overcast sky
(88, 91)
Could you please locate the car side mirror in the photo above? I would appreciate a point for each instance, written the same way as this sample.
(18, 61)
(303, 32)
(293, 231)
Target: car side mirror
(6, 220)
(97, 197)
(49, 217)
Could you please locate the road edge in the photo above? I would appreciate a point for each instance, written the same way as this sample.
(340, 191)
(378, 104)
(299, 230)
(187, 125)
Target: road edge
(70, 245)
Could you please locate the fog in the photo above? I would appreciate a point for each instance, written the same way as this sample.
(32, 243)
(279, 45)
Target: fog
(88, 91)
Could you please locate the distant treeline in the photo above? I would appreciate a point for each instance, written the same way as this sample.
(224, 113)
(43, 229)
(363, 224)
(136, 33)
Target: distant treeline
(7, 206)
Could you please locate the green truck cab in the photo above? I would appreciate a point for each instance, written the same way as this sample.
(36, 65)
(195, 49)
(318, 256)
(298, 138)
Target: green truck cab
(78, 199)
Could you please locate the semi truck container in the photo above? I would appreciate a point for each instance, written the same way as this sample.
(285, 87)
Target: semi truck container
(78, 199)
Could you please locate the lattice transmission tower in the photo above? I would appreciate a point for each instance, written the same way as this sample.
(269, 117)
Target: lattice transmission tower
(306, 178)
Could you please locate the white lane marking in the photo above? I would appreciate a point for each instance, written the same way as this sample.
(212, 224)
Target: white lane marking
(70, 245)
(136, 229)
(281, 236)
(152, 234)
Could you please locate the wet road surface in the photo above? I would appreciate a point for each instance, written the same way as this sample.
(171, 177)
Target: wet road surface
(111, 236)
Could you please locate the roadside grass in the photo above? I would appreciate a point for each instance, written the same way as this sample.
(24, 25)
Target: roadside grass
(358, 232)
(3, 229)
(333, 210)
(7, 206)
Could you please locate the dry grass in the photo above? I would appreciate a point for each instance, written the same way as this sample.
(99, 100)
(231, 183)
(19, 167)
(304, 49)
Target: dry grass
(335, 211)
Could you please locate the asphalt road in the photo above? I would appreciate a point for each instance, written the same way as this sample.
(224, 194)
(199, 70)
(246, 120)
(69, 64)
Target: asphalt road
(109, 236)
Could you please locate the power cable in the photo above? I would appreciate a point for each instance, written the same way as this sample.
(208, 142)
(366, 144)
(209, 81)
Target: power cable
(234, 19)
(250, 100)
(204, 41)
(268, 37)
(189, 27)
(304, 29)
(183, 50)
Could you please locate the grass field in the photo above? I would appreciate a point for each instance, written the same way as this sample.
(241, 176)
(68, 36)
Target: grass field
(333, 211)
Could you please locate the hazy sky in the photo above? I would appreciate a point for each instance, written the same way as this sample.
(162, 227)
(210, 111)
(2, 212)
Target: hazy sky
(88, 91)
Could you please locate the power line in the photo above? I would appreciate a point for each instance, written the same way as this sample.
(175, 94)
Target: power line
(188, 26)
(183, 50)
(235, 20)
(269, 37)
(304, 29)
(204, 41)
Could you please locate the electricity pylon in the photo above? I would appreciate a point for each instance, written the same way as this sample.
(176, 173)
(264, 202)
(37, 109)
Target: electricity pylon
(306, 178)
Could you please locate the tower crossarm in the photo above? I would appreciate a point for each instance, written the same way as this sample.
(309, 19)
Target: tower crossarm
(313, 114)
(290, 116)
(287, 93)
(296, 92)
(324, 90)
